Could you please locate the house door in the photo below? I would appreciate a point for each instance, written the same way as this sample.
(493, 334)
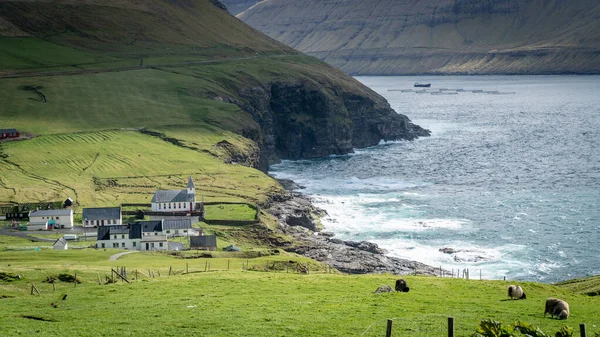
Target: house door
(147, 246)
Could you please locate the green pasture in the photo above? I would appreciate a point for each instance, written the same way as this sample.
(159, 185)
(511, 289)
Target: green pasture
(261, 301)
(110, 167)
(230, 212)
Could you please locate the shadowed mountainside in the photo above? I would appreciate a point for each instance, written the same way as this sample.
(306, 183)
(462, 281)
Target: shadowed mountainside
(438, 36)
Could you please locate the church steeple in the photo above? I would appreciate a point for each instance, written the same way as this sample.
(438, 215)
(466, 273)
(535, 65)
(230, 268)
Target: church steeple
(191, 188)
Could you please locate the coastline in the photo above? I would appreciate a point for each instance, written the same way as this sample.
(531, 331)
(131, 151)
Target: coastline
(298, 218)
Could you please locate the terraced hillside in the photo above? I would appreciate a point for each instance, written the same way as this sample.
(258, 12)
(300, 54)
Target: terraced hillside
(371, 37)
(122, 98)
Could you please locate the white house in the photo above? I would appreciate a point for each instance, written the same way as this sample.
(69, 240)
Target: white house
(178, 227)
(101, 216)
(119, 236)
(56, 218)
(175, 200)
(142, 235)
(60, 244)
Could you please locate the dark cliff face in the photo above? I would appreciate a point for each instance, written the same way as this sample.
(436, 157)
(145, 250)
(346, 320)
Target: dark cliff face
(301, 121)
(390, 37)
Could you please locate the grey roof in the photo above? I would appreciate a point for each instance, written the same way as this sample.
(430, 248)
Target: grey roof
(8, 130)
(172, 196)
(51, 212)
(101, 213)
(134, 231)
(190, 183)
(61, 240)
(150, 226)
(177, 224)
(203, 241)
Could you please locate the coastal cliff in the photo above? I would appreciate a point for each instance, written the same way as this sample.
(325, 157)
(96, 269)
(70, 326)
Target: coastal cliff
(438, 36)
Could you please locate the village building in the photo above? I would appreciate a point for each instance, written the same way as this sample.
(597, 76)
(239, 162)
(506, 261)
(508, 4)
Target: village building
(51, 218)
(203, 242)
(101, 216)
(60, 244)
(9, 134)
(175, 200)
(120, 236)
(141, 235)
(178, 227)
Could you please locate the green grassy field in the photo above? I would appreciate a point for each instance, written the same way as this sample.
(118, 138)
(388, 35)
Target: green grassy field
(254, 302)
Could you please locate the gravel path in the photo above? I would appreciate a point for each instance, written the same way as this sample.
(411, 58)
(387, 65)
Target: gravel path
(116, 256)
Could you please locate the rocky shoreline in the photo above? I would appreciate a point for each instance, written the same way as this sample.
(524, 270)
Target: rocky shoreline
(298, 218)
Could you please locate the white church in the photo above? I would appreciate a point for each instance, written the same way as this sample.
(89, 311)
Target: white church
(175, 200)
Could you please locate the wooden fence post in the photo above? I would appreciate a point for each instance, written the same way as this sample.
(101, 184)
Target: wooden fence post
(388, 331)
(209, 267)
(450, 326)
(480, 274)
(186, 267)
(205, 265)
(99, 280)
(136, 274)
(53, 286)
(170, 269)
(75, 280)
(158, 271)
(582, 330)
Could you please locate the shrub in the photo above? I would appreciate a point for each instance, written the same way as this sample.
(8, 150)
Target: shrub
(491, 328)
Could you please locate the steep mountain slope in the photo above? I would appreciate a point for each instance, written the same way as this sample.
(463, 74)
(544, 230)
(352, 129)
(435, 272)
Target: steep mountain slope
(182, 77)
(438, 36)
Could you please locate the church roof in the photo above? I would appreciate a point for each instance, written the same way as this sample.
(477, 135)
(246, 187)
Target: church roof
(173, 196)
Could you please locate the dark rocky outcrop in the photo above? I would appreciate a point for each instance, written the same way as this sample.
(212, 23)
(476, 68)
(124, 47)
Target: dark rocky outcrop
(380, 37)
(346, 256)
(304, 121)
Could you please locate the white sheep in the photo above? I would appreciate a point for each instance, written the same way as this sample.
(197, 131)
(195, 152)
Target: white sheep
(557, 307)
(516, 292)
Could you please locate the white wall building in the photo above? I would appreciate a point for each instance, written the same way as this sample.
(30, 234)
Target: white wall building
(57, 218)
(175, 200)
(119, 237)
(101, 216)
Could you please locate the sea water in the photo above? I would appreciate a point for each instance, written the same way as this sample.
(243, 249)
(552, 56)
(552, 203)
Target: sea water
(508, 182)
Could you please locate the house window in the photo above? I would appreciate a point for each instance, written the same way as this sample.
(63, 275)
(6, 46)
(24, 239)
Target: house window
(169, 205)
(123, 244)
(164, 206)
(155, 233)
(56, 218)
(158, 206)
(115, 245)
(185, 230)
(134, 243)
(168, 232)
(123, 236)
(177, 231)
(87, 223)
(152, 245)
(160, 244)
(115, 237)
(179, 205)
(103, 245)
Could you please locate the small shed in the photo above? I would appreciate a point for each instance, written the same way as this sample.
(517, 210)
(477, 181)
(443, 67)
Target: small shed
(60, 244)
(203, 242)
(37, 226)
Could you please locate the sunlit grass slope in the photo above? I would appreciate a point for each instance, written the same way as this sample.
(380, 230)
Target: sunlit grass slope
(256, 303)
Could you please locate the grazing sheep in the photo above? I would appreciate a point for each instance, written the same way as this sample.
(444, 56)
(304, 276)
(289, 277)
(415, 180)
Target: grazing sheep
(401, 286)
(556, 307)
(516, 292)
(384, 289)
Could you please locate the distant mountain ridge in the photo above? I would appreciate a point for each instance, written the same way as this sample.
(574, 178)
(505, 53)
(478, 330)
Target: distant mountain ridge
(438, 36)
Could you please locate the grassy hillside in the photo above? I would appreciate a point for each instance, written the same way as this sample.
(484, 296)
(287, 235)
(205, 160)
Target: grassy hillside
(88, 89)
(438, 36)
(221, 302)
